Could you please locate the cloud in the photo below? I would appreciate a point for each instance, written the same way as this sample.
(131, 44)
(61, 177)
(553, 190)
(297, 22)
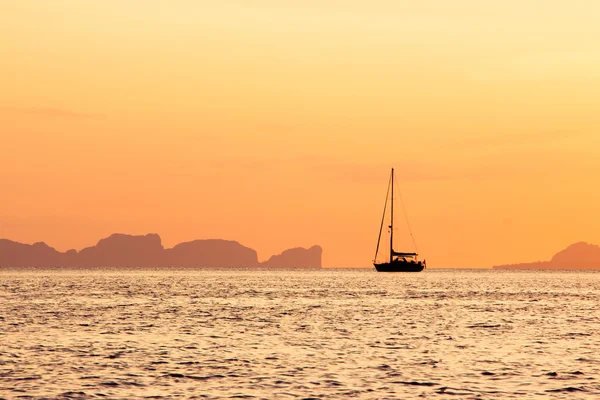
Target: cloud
(519, 139)
(523, 164)
(378, 173)
(49, 112)
(538, 66)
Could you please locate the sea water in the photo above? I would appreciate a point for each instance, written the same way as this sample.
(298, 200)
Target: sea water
(297, 334)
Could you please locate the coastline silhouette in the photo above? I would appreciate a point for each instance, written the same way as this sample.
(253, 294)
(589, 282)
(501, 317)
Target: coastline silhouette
(121, 250)
(578, 256)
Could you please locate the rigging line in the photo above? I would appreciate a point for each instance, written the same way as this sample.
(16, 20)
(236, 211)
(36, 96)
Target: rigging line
(406, 216)
(382, 218)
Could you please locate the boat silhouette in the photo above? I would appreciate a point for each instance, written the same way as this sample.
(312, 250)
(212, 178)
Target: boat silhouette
(397, 261)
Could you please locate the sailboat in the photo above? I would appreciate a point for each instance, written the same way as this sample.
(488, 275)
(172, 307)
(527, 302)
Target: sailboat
(398, 261)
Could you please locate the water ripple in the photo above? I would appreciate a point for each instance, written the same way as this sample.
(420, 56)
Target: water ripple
(224, 334)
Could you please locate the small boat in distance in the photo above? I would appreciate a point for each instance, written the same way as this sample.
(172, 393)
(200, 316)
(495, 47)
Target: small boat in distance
(398, 261)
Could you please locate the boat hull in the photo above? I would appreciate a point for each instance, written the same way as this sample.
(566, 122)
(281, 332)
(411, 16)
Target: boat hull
(399, 266)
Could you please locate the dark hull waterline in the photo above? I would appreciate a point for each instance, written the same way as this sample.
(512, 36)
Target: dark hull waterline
(399, 266)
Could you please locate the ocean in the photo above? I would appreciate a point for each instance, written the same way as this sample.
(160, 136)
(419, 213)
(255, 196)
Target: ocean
(299, 334)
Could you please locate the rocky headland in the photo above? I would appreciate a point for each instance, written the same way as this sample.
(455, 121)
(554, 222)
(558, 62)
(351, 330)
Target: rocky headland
(129, 251)
(578, 256)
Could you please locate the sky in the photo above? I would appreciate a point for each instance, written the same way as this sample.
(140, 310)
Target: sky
(276, 124)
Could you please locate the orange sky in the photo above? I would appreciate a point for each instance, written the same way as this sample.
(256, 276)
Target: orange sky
(275, 124)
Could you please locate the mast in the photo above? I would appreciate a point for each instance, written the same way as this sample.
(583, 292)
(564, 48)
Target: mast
(387, 196)
(392, 220)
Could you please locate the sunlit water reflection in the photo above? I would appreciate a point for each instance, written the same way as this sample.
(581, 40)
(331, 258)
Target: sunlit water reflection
(299, 334)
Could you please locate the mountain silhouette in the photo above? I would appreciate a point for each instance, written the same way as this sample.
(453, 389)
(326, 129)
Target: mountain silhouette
(578, 256)
(31, 255)
(120, 250)
(211, 252)
(297, 257)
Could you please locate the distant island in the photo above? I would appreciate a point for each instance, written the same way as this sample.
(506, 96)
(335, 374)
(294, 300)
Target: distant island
(578, 256)
(122, 251)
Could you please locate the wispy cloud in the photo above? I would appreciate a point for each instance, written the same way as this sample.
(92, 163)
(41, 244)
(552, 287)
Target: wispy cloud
(377, 173)
(514, 139)
(507, 165)
(534, 65)
(50, 112)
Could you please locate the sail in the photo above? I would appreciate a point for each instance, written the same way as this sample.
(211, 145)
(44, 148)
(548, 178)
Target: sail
(400, 254)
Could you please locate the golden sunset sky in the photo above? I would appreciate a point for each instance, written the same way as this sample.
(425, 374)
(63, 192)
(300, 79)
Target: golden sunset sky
(275, 123)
